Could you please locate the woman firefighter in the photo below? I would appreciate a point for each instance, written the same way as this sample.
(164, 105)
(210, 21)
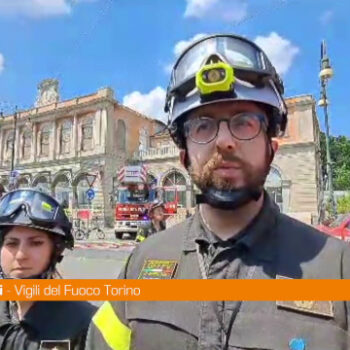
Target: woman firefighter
(34, 231)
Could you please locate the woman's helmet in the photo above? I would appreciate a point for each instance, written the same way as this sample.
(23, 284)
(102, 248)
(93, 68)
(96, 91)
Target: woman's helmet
(35, 209)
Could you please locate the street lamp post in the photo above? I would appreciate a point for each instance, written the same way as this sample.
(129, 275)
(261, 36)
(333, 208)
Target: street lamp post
(327, 73)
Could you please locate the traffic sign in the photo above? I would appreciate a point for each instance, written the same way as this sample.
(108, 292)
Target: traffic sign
(90, 178)
(90, 194)
(14, 173)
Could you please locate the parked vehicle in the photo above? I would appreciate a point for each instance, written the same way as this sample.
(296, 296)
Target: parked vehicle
(134, 194)
(339, 228)
(94, 228)
(132, 197)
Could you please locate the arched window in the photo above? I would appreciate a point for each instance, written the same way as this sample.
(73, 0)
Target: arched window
(273, 186)
(45, 141)
(23, 182)
(66, 137)
(174, 184)
(42, 184)
(86, 135)
(121, 135)
(81, 189)
(27, 144)
(62, 188)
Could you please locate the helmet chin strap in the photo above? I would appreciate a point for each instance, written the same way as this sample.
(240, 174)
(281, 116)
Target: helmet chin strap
(228, 200)
(232, 199)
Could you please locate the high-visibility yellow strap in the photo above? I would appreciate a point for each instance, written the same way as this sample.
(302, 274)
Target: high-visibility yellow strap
(114, 332)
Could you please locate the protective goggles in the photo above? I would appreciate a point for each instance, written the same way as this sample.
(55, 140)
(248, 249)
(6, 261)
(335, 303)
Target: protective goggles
(40, 208)
(249, 62)
(243, 126)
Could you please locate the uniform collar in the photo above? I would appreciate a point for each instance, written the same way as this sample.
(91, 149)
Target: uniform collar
(35, 316)
(257, 237)
(5, 316)
(30, 318)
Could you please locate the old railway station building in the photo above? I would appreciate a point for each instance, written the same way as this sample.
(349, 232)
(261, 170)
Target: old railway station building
(64, 147)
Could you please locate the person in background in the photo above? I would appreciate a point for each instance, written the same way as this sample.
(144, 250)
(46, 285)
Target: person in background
(34, 232)
(157, 216)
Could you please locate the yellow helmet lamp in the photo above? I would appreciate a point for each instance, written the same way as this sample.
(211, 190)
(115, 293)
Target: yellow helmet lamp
(215, 77)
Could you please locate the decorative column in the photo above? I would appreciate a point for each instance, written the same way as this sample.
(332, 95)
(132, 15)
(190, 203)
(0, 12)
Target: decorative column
(75, 135)
(53, 145)
(58, 141)
(97, 128)
(38, 146)
(1, 147)
(34, 143)
(16, 146)
(103, 132)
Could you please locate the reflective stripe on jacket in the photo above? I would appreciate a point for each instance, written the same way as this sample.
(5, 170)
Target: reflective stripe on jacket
(108, 331)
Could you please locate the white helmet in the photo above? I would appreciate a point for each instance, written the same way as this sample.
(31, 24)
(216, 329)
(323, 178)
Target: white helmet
(220, 68)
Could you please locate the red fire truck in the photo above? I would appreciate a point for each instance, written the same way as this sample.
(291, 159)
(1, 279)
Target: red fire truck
(133, 197)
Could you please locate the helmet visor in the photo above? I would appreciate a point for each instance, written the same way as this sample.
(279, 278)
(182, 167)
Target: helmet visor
(236, 51)
(41, 207)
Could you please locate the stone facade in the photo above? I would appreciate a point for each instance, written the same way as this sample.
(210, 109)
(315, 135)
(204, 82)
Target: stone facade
(64, 147)
(298, 161)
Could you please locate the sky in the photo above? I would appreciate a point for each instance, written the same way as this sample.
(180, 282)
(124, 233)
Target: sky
(130, 46)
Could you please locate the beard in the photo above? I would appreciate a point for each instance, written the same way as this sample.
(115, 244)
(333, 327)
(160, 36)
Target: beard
(206, 177)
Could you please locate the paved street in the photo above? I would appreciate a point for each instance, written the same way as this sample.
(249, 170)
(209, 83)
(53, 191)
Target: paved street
(96, 259)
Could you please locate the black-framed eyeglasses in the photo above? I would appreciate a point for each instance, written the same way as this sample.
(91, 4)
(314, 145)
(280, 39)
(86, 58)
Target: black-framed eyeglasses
(243, 126)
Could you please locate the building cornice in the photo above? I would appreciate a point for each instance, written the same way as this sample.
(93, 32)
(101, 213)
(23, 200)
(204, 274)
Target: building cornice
(286, 146)
(301, 100)
(74, 162)
(62, 108)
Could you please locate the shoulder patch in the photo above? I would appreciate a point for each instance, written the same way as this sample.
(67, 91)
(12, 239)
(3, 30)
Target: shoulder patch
(315, 307)
(158, 269)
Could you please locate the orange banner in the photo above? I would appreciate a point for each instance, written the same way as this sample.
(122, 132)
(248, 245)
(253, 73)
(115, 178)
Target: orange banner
(284, 289)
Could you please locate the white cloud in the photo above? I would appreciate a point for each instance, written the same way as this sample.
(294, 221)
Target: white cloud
(327, 17)
(38, 8)
(225, 10)
(34, 8)
(280, 51)
(151, 104)
(2, 63)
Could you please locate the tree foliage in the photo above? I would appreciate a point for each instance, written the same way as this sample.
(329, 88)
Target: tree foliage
(340, 156)
(343, 204)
